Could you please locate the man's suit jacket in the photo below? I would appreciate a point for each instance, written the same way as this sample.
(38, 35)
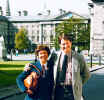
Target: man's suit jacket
(80, 73)
(44, 87)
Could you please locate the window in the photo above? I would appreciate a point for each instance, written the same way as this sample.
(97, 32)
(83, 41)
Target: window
(33, 38)
(37, 38)
(51, 38)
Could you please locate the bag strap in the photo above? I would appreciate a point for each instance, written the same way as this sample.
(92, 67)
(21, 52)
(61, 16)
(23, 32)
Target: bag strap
(35, 67)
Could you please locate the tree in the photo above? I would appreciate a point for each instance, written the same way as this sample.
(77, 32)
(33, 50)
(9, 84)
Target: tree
(78, 30)
(83, 39)
(21, 39)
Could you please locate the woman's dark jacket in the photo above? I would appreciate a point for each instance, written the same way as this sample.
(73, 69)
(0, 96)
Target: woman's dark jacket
(44, 86)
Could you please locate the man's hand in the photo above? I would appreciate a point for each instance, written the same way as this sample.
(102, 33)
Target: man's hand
(26, 68)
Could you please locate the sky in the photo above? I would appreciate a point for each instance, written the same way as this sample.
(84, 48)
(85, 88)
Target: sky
(35, 6)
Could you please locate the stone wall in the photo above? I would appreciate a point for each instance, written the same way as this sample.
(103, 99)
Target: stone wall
(97, 27)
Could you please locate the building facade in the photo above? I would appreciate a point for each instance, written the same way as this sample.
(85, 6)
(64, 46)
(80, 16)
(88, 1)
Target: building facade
(41, 29)
(4, 28)
(97, 27)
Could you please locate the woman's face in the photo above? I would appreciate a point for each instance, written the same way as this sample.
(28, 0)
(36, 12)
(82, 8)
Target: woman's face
(43, 56)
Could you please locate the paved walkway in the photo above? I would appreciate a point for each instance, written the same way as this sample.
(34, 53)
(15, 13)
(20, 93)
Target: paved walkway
(9, 91)
(96, 67)
(22, 57)
(14, 90)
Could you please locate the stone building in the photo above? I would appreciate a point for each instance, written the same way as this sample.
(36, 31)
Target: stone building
(4, 27)
(41, 28)
(97, 27)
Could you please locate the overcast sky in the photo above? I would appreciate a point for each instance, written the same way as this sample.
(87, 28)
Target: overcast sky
(35, 6)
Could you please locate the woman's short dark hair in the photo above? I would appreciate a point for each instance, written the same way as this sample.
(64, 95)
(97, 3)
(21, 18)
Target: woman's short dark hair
(65, 37)
(42, 47)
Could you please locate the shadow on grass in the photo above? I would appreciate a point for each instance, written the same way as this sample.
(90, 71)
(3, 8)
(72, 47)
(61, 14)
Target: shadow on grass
(9, 72)
(10, 66)
(8, 77)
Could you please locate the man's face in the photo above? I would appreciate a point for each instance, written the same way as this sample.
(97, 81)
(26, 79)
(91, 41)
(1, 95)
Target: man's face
(66, 46)
(43, 56)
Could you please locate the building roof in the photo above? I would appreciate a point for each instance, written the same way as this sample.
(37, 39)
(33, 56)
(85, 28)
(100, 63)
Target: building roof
(70, 14)
(30, 18)
(39, 18)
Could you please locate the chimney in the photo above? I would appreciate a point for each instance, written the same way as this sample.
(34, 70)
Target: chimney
(19, 13)
(49, 12)
(39, 14)
(62, 11)
(25, 12)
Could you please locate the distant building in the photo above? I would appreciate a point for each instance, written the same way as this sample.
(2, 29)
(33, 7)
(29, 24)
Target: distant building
(97, 27)
(4, 28)
(41, 28)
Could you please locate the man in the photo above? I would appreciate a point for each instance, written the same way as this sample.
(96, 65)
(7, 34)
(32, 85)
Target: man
(43, 90)
(70, 76)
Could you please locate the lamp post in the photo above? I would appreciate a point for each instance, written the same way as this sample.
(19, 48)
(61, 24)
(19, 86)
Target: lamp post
(11, 54)
(99, 59)
(76, 37)
(91, 9)
(99, 54)
(91, 55)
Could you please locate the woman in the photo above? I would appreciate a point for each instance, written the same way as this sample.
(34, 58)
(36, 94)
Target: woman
(43, 90)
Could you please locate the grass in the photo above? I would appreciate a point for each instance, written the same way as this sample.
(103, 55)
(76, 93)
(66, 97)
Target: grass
(9, 71)
(93, 64)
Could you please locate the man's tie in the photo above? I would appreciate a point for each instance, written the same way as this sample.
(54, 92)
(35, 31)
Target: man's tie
(62, 73)
(64, 67)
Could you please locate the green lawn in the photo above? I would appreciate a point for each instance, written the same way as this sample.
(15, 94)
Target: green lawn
(9, 71)
(89, 64)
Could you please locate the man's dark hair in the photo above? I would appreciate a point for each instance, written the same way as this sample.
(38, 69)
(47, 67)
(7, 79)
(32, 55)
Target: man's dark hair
(65, 37)
(42, 47)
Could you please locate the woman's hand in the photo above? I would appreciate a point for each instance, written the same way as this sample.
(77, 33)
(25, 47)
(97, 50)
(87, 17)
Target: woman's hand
(26, 68)
(29, 92)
